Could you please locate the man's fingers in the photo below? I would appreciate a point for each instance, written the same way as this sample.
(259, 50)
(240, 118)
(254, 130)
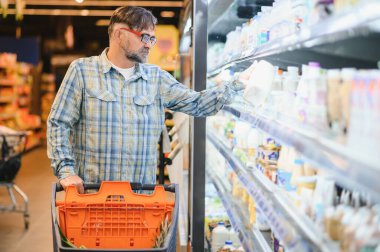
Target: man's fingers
(73, 180)
(80, 188)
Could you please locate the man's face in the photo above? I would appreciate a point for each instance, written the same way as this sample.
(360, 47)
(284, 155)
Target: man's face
(132, 46)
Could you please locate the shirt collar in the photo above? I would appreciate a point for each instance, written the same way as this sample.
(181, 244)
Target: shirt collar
(105, 63)
(106, 66)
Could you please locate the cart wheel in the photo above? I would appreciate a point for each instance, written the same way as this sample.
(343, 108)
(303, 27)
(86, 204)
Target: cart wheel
(26, 222)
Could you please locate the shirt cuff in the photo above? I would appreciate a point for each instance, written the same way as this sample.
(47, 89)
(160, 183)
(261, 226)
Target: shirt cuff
(226, 96)
(65, 172)
(236, 84)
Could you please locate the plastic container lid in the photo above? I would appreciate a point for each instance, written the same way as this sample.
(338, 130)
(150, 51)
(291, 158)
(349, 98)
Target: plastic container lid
(314, 64)
(228, 242)
(221, 223)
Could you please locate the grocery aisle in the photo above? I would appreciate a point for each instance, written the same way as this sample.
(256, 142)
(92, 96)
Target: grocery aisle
(34, 178)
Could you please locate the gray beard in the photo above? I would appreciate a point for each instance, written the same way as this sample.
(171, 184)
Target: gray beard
(138, 57)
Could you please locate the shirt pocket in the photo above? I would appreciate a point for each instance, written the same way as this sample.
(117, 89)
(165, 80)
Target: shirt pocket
(148, 112)
(102, 119)
(143, 100)
(99, 105)
(143, 106)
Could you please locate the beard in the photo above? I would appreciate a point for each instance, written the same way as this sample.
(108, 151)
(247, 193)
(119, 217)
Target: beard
(141, 56)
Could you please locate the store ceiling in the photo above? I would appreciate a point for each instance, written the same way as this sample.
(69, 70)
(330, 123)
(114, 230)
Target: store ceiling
(48, 19)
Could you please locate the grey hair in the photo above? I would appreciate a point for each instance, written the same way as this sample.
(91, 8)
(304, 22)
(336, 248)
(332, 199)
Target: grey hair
(136, 18)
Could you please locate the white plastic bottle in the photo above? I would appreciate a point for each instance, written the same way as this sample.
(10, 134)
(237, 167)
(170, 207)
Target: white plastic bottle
(317, 94)
(228, 245)
(289, 85)
(301, 101)
(265, 21)
(291, 81)
(234, 238)
(219, 235)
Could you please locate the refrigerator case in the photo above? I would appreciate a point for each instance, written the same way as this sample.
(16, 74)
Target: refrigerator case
(294, 170)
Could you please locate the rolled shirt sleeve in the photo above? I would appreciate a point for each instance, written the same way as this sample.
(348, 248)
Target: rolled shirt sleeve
(64, 114)
(178, 97)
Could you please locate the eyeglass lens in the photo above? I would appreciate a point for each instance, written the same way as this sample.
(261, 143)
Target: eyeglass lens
(145, 38)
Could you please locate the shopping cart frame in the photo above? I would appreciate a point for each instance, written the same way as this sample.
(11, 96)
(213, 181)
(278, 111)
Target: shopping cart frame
(170, 241)
(10, 185)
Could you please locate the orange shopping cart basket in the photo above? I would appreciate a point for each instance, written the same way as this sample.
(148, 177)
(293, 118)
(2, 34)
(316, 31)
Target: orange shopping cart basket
(115, 218)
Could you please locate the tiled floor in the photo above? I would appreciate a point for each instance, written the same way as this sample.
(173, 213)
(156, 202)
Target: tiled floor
(35, 179)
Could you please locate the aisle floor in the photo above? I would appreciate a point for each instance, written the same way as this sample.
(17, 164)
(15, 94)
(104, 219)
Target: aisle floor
(35, 179)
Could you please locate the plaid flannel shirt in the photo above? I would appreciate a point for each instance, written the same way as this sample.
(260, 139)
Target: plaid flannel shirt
(103, 127)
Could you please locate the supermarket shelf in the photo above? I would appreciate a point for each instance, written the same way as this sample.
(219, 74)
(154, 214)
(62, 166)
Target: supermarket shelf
(224, 18)
(344, 164)
(335, 42)
(223, 15)
(285, 220)
(7, 99)
(7, 116)
(251, 239)
(8, 84)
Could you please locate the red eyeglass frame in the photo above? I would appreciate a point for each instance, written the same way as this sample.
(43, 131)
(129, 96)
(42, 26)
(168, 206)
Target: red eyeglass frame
(136, 33)
(133, 31)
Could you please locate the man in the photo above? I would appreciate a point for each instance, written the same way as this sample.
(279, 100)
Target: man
(108, 114)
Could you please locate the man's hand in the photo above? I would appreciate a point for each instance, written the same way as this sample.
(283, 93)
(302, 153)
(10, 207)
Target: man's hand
(73, 180)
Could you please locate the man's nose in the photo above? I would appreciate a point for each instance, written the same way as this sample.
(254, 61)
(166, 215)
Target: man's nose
(148, 45)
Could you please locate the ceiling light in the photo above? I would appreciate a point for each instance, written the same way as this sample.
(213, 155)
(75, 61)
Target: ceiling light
(167, 14)
(64, 12)
(56, 12)
(102, 22)
(84, 12)
(109, 3)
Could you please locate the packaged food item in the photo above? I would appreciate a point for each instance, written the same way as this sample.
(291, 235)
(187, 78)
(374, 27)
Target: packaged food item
(297, 171)
(347, 75)
(317, 90)
(260, 83)
(301, 100)
(269, 152)
(309, 170)
(333, 98)
(283, 180)
(252, 211)
(305, 182)
(270, 171)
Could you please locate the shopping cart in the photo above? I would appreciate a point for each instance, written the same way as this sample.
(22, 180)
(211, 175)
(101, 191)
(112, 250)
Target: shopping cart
(114, 215)
(12, 147)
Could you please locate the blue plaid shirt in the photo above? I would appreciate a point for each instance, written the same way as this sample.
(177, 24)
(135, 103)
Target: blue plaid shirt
(103, 127)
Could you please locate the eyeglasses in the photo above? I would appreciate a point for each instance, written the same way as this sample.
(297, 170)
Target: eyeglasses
(145, 38)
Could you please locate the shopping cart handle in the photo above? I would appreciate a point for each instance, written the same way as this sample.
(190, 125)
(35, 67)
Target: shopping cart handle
(135, 186)
(59, 187)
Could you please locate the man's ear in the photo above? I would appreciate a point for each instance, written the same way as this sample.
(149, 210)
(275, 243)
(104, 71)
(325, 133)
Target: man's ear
(118, 35)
